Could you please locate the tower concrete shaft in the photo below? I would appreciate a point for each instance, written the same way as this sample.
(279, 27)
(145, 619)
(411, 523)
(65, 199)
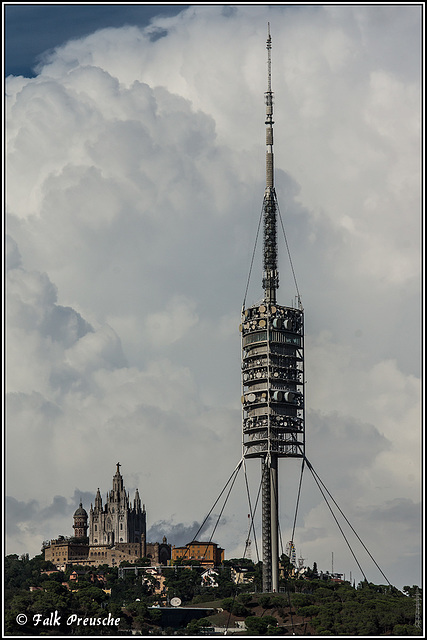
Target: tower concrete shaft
(272, 371)
(270, 525)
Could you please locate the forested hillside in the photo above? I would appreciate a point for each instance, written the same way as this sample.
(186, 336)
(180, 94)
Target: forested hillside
(42, 601)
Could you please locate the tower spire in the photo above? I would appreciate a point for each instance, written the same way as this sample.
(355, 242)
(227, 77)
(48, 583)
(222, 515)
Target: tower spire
(269, 120)
(270, 281)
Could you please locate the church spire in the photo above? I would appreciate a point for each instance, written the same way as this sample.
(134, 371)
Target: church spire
(137, 502)
(118, 493)
(98, 501)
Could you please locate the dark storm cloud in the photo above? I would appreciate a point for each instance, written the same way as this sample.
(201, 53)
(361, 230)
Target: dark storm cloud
(64, 325)
(397, 511)
(178, 534)
(338, 442)
(32, 30)
(31, 514)
(18, 511)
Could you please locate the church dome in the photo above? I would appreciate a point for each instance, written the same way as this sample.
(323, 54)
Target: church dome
(80, 511)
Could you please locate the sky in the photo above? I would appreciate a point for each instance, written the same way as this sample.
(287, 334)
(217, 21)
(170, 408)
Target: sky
(135, 173)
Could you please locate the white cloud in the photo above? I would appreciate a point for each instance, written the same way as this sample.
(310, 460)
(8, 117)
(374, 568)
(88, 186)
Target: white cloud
(166, 327)
(135, 182)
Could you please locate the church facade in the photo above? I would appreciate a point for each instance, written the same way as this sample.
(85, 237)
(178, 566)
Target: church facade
(118, 521)
(117, 533)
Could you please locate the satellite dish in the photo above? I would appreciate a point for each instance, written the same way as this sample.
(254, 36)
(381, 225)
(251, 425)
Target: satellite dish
(175, 602)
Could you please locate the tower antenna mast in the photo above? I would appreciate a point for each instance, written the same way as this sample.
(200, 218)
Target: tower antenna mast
(272, 370)
(271, 276)
(269, 56)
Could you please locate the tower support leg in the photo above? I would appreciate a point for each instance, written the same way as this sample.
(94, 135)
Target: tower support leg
(266, 526)
(270, 526)
(274, 525)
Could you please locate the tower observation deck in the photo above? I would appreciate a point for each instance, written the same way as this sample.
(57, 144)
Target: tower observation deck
(272, 370)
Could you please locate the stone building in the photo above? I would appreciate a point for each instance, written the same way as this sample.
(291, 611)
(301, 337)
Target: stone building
(117, 521)
(158, 552)
(67, 551)
(208, 554)
(63, 552)
(117, 533)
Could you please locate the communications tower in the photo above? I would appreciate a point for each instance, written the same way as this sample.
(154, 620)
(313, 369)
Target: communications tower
(272, 371)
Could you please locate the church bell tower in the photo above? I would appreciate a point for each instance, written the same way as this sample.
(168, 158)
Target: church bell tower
(80, 522)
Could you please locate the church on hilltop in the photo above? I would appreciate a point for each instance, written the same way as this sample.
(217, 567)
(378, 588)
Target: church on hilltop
(117, 521)
(117, 533)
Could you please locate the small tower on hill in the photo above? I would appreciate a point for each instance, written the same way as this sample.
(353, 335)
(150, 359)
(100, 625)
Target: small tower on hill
(80, 522)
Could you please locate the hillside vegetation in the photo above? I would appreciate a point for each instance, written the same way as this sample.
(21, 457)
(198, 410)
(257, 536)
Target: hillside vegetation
(42, 601)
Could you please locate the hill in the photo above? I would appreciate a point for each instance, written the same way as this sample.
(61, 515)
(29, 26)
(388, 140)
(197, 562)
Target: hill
(325, 608)
(39, 600)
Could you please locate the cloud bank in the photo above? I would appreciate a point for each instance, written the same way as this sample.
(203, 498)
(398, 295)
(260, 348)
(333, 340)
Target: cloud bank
(135, 176)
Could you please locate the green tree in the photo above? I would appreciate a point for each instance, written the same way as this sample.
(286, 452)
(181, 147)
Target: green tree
(194, 627)
(265, 601)
(278, 602)
(257, 626)
(240, 563)
(406, 630)
(235, 607)
(411, 591)
(245, 598)
(155, 616)
(182, 583)
(308, 612)
(227, 604)
(301, 599)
